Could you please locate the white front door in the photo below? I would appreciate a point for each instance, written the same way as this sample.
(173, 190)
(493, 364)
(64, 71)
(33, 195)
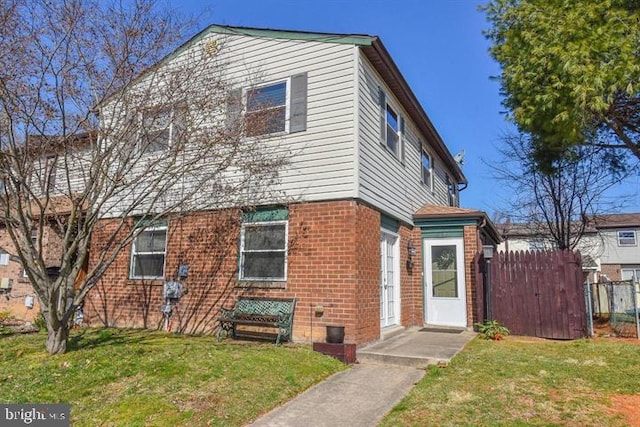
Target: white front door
(444, 284)
(389, 280)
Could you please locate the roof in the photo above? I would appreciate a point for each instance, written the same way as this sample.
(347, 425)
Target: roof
(598, 222)
(617, 220)
(451, 212)
(436, 211)
(373, 50)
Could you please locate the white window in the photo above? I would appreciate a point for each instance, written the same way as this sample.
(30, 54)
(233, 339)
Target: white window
(267, 109)
(263, 251)
(4, 257)
(157, 130)
(391, 126)
(426, 170)
(452, 191)
(392, 136)
(627, 238)
(148, 253)
(630, 273)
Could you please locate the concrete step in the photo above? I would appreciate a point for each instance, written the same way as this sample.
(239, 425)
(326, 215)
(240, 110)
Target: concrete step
(369, 357)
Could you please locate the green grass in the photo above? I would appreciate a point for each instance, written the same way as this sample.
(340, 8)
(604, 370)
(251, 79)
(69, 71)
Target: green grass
(115, 377)
(520, 382)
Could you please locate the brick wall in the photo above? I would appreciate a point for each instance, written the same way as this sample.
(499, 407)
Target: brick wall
(334, 256)
(472, 244)
(14, 301)
(411, 277)
(367, 246)
(612, 271)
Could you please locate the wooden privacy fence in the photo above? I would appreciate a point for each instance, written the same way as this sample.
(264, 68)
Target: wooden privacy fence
(535, 293)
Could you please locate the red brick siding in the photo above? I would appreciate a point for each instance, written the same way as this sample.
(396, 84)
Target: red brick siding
(472, 244)
(330, 264)
(612, 271)
(21, 287)
(411, 277)
(367, 249)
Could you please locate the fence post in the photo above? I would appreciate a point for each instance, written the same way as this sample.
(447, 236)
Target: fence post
(588, 301)
(635, 304)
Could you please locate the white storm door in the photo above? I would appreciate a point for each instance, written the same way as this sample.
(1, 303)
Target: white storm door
(389, 280)
(445, 291)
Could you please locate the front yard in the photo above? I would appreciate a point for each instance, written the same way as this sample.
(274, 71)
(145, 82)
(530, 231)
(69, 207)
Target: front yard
(529, 382)
(140, 378)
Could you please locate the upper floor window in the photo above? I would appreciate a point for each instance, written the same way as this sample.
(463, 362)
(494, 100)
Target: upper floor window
(426, 169)
(158, 129)
(393, 130)
(452, 192)
(263, 246)
(627, 238)
(391, 127)
(148, 252)
(269, 108)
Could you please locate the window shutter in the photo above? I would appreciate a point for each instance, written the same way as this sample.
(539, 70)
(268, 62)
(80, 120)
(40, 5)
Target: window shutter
(234, 108)
(401, 140)
(298, 114)
(382, 102)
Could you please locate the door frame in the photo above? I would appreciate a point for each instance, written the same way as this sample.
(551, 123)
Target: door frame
(396, 278)
(460, 303)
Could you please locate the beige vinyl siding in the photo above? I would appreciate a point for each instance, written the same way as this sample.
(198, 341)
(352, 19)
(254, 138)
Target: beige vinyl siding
(615, 254)
(322, 159)
(385, 182)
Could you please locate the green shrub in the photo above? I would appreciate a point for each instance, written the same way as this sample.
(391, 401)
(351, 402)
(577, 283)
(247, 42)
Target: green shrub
(5, 316)
(39, 322)
(492, 330)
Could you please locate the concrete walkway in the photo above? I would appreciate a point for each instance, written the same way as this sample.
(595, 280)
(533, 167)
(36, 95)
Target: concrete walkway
(362, 395)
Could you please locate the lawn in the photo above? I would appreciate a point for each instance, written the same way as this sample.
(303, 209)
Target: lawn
(115, 377)
(528, 382)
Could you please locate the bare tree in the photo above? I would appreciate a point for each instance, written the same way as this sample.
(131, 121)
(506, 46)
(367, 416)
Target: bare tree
(97, 122)
(559, 205)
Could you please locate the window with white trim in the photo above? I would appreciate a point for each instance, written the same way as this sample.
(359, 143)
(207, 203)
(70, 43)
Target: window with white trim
(630, 273)
(4, 257)
(426, 169)
(452, 192)
(263, 251)
(392, 135)
(148, 253)
(266, 109)
(158, 129)
(627, 238)
(391, 126)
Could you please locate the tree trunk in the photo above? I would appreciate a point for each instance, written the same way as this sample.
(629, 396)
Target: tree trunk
(57, 339)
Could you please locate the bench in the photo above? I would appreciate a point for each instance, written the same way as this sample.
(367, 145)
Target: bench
(261, 312)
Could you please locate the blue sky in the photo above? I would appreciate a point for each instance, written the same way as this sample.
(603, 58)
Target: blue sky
(438, 46)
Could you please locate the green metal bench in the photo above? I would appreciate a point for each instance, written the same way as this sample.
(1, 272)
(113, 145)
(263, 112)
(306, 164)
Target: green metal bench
(261, 312)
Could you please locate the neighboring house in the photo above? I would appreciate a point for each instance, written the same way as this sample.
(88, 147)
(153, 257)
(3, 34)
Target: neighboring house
(16, 293)
(620, 259)
(375, 238)
(609, 246)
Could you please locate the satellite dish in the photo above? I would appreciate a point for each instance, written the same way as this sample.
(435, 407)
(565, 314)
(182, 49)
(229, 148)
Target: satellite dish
(459, 158)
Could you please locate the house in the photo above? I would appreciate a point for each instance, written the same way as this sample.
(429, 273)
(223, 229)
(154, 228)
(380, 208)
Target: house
(41, 209)
(620, 258)
(369, 234)
(609, 245)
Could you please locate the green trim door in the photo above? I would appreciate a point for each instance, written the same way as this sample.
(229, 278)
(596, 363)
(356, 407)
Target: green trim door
(444, 282)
